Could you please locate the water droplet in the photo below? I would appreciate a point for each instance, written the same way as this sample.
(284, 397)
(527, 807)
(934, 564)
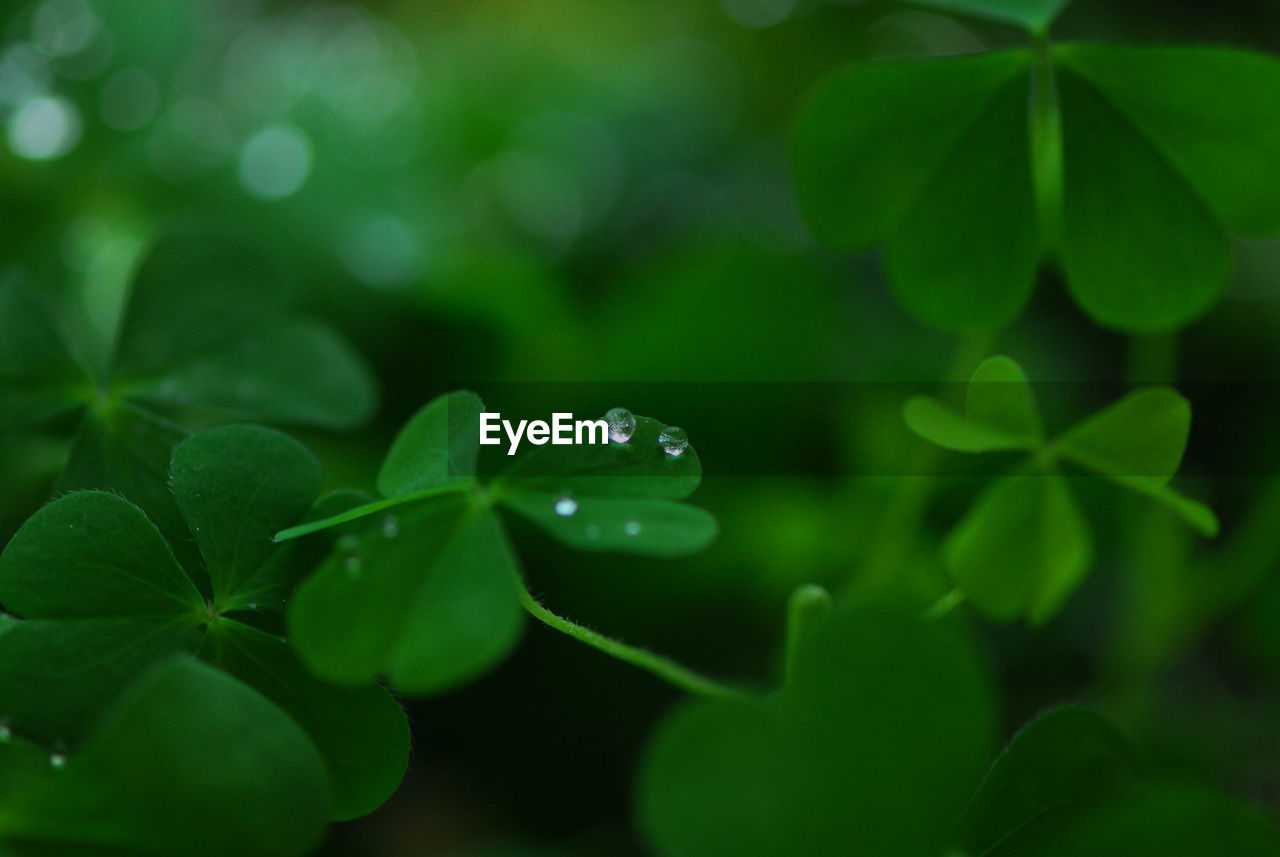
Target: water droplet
(6, 732)
(253, 605)
(566, 507)
(673, 440)
(593, 531)
(622, 424)
(353, 565)
(348, 542)
(58, 757)
(390, 527)
(632, 528)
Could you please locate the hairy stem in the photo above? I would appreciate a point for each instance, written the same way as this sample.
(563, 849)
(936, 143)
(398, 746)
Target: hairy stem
(664, 668)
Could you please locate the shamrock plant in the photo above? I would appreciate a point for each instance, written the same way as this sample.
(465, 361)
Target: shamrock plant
(201, 330)
(102, 598)
(425, 588)
(1128, 167)
(1024, 546)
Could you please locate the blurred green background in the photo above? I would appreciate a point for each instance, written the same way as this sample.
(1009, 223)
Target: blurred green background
(567, 190)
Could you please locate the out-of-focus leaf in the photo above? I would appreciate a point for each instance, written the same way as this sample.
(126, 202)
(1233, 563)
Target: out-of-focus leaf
(875, 744)
(37, 372)
(1146, 273)
(628, 525)
(999, 413)
(964, 255)
(1022, 549)
(295, 372)
(437, 447)
(1200, 108)
(1062, 765)
(189, 761)
(360, 732)
(126, 450)
(1140, 438)
(871, 139)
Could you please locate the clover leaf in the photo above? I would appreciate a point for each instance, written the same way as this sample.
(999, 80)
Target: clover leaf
(102, 597)
(425, 588)
(186, 761)
(1137, 164)
(1024, 546)
(875, 743)
(203, 328)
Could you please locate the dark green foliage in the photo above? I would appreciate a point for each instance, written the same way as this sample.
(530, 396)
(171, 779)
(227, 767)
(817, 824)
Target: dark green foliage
(1136, 164)
(101, 598)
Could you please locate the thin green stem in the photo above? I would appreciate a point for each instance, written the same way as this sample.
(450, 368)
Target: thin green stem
(809, 605)
(371, 509)
(664, 668)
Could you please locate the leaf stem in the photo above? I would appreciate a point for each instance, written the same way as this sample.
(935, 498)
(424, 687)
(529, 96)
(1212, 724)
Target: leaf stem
(664, 668)
(808, 606)
(370, 509)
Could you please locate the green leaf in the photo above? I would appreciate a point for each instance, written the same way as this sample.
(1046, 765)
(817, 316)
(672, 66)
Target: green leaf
(194, 292)
(629, 525)
(1166, 260)
(430, 601)
(877, 741)
(871, 139)
(93, 555)
(57, 676)
(190, 761)
(1063, 764)
(360, 732)
(1137, 442)
(437, 447)
(1021, 550)
(237, 486)
(965, 254)
(1034, 15)
(1208, 111)
(1000, 413)
(295, 372)
(1187, 821)
(635, 469)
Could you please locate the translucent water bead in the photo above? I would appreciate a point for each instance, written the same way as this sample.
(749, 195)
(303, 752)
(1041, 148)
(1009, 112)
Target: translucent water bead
(673, 440)
(622, 424)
